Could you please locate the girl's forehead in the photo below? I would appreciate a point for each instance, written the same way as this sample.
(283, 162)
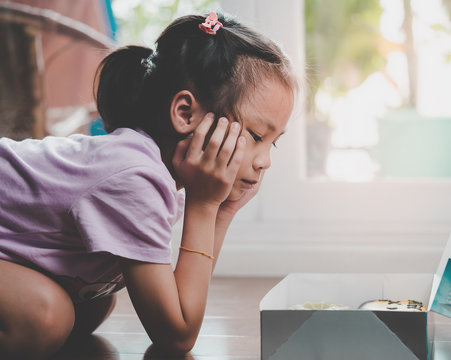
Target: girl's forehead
(268, 105)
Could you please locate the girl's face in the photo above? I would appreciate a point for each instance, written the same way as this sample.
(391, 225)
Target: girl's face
(264, 116)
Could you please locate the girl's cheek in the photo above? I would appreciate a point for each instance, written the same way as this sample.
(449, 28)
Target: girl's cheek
(234, 194)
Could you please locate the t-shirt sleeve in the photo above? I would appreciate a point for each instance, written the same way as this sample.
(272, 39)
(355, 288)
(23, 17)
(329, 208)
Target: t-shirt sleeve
(130, 214)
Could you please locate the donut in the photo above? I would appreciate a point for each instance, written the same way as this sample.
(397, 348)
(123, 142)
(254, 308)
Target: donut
(393, 305)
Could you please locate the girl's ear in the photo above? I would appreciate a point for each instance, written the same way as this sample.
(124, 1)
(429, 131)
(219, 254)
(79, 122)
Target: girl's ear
(185, 112)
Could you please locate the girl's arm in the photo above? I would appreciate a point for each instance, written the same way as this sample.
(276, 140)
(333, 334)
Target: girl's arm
(221, 226)
(226, 213)
(171, 304)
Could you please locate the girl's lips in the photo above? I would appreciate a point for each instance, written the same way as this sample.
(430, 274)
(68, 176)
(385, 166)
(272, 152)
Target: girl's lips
(249, 184)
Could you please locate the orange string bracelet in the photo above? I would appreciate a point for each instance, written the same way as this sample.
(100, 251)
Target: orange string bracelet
(197, 252)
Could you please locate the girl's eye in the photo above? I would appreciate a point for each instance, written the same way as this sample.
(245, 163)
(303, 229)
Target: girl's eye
(255, 136)
(258, 138)
(275, 141)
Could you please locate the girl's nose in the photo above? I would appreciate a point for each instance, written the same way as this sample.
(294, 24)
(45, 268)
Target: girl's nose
(262, 161)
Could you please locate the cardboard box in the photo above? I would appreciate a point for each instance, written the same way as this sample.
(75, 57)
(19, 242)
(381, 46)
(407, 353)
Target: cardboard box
(353, 334)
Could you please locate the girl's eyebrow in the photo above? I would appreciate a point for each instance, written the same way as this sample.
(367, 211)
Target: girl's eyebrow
(261, 121)
(270, 126)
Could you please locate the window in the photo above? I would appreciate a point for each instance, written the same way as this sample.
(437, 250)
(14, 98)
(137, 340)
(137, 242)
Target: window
(378, 72)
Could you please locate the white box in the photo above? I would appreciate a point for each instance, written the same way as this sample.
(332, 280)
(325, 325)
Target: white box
(353, 334)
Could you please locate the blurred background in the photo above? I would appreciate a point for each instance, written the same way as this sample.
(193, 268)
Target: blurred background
(361, 181)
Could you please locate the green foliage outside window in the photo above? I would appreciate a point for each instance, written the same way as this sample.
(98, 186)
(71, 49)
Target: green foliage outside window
(342, 43)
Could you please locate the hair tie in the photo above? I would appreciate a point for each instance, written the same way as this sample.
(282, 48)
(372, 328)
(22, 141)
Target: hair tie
(211, 24)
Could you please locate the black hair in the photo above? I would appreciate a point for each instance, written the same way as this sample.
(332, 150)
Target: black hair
(136, 84)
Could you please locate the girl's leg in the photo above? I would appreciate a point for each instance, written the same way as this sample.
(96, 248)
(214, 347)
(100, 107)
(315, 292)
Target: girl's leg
(36, 314)
(89, 315)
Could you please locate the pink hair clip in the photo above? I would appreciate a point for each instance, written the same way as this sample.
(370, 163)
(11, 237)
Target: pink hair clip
(211, 24)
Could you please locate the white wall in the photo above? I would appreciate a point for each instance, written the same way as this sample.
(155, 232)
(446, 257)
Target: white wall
(296, 225)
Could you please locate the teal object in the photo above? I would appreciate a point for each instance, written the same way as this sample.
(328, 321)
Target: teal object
(413, 146)
(442, 300)
(96, 127)
(111, 19)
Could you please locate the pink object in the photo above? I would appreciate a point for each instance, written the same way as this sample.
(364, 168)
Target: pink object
(211, 24)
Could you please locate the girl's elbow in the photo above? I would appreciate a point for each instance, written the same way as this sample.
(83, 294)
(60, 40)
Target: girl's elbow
(184, 347)
(174, 339)
(175, 347)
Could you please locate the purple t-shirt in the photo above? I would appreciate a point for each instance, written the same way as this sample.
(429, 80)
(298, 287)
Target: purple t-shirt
(72, 207)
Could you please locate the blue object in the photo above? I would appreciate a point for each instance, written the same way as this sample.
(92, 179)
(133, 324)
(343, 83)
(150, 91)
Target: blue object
(96, 128)
(111, 19)
(442, 301)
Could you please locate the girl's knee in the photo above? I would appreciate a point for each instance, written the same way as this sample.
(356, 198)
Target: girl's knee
(39, 334)
(52, 321)
(38, 327)
(54, 316)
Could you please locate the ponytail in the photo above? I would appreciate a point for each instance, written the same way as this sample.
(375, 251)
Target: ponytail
(120, 78)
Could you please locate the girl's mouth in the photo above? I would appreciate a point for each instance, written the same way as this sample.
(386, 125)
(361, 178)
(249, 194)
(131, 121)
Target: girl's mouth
(249, 184)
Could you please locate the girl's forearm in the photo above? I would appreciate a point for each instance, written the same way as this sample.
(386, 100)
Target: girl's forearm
(221, 226)
(193, 271)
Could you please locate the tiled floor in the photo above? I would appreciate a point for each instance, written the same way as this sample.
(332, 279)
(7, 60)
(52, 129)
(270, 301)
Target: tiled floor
(230, 329)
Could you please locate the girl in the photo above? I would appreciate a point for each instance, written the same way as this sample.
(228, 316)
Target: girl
(82, 217)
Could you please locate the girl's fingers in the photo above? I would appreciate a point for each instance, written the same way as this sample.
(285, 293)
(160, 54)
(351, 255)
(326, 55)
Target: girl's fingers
(216, 140)
(229, 145)
(237, 157)
(199, 135)
(181, 149)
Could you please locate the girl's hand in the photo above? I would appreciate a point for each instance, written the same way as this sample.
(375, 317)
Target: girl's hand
(208, 171)
(230, 207)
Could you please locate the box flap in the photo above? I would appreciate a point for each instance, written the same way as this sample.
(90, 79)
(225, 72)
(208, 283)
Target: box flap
(441, 290)
(276, 297)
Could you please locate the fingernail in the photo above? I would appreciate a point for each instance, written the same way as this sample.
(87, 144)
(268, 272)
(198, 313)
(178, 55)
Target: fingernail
(223, 121)
(242, 140)
(235, 125)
